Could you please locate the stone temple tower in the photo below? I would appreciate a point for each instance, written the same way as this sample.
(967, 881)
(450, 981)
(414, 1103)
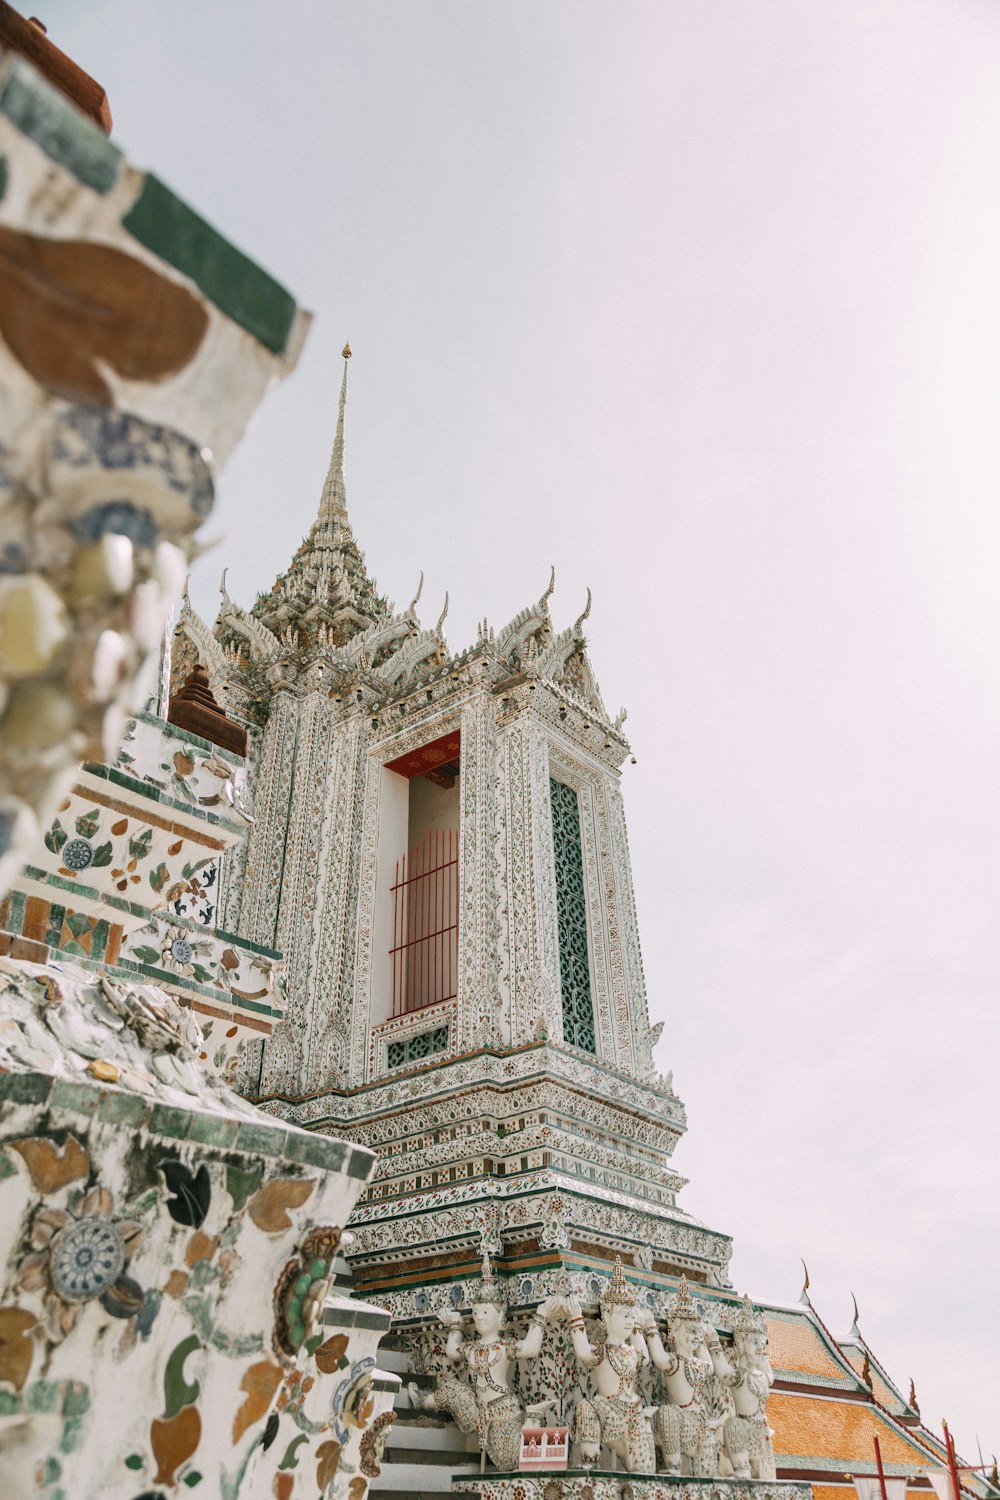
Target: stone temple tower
(439, 850)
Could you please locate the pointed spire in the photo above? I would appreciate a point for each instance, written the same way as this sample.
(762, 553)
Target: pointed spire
(333, 505)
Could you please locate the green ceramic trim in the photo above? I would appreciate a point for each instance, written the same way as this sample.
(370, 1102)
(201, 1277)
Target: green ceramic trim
(316, 1151)
(41, 114)
(252, 947)
(81, 1098)
(177, 733)
(238, 287)
(26, 1088)
(127, 968)
(147, 790)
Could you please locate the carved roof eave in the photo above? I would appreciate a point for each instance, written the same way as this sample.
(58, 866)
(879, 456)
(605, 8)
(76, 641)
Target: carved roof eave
(264, 644)
(398, 669)
(380, 634)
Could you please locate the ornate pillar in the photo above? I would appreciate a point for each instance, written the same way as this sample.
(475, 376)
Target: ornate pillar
(481, 1017)
(628, 980)
(532, 931)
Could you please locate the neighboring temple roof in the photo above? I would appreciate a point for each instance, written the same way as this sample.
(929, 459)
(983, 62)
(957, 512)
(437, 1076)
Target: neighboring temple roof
(826, 1416)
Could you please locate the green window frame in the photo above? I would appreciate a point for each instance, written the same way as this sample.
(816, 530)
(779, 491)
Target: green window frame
(571, 906)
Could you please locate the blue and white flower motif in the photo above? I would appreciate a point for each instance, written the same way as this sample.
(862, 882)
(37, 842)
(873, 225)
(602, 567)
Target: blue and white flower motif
(77, 854)
(526, 1289)
(86, 1257)
(118, 442)
(79, 1254)
(421, 1301)
(456, 1294)
(118, 516)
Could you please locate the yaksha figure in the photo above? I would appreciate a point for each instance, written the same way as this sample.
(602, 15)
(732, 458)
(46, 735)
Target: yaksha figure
(488, 1406)
(687, 1427)
(616, 1416)
(746, 1436)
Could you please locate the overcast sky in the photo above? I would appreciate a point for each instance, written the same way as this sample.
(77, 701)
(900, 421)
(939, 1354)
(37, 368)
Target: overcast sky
(699, 301)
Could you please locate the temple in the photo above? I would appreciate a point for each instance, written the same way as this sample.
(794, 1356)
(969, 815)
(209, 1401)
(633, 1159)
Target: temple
(330, 1131)
(440, 853)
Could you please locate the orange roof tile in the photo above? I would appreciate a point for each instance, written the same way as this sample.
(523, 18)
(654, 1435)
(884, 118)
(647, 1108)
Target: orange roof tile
(846, 1491)
(880, 1390)
(819, 1428)
(798, 1348)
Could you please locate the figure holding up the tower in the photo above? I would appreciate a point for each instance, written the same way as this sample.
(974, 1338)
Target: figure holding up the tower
(687, 1426)
(488, 1406)
(616, 1417)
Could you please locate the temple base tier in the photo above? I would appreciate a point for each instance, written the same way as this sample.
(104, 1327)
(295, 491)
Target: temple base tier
(603, 1484)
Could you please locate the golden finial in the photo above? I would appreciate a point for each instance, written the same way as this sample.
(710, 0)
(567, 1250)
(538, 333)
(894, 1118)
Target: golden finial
(804, 1294)
(345, 353)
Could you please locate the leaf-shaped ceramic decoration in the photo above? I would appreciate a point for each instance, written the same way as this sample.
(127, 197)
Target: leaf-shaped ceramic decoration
(86, 823)
(67, 307)
(173, 1441)
(102, 855)
(191, 1193)
(138, 845)
(259, 1385)
(16, 1348)
(56, 837)
(268, 1207)
(329, 1356)
(327, 1462)
(53, 1166)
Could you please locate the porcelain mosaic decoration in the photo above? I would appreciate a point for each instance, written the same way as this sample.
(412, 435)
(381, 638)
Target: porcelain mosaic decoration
(129, 365)
(149, 1214)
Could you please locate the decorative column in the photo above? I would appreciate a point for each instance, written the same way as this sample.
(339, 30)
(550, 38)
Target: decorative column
(532, 931)
(481, 1009)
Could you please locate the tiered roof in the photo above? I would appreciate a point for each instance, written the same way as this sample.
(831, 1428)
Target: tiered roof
(832, 1398)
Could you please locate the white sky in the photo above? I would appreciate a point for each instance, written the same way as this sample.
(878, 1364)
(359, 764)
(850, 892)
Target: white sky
(700, 301)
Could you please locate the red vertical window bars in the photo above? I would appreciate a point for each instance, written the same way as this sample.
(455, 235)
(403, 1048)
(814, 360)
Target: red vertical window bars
(425, 923)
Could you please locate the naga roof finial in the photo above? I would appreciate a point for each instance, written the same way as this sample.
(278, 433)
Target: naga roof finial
(855, 1329)
(804, 1294)
(416, 598)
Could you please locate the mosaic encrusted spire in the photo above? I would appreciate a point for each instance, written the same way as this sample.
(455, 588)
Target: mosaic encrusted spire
(333, 504)
(326, 584)
(618, 1293)
(489, 1289)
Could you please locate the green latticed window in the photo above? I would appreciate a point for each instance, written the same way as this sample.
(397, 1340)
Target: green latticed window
(416, 1048)
(571, 904)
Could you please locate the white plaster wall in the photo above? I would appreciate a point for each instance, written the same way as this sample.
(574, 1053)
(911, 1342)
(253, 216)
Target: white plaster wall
(431, 806)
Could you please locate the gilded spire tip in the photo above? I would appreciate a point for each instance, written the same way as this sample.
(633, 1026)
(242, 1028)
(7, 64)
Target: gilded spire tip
(345, 353)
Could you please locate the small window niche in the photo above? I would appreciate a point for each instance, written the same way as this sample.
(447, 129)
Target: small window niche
(417, 902)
